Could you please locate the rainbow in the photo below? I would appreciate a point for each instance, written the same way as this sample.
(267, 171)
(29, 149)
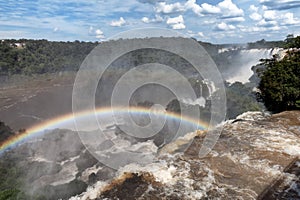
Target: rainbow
(59, 121)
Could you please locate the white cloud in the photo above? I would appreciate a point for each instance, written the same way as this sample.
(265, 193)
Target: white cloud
(207, 22)
(145, 20)
(288, 19)
(272, 18)
(257, 29)
(235, 19)
(119, 22)
(96, 33)
(13, 34)
(200, 34)
(163, 7)
(253, 8)
(225, 8)
(191, 4)
(265, 23)
(259, 18)
(175, 20)
(280, 4)
(229, 9)
(157, 19)
(269, 15)
(261, 30)
(55, 29)
(99, 34)
(210, 9)
(91, 30)
(255, 16)
(191, 33)
(224, 27)
(264, 7)
(275, 28)
(178, 26)
(148, 1)
(252, 29)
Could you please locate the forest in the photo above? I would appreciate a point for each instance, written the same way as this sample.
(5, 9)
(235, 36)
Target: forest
(280, 79)
(41, 56)
(28, 57)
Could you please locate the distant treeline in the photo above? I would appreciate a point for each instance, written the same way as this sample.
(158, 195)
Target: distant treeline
(291, 41)
(262, 44)
(41, 56)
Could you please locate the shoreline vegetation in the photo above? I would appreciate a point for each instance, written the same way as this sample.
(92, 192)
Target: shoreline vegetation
(29, 57)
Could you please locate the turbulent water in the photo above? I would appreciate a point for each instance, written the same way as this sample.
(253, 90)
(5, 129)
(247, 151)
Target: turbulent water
(249, 157)
(242, 61)
(250, 160)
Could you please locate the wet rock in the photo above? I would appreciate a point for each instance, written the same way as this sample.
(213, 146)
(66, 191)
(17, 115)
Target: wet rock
(129, 186)
(248, 158)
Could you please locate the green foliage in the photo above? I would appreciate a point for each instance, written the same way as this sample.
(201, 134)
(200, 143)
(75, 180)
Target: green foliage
(240, 99)
(10, 180)
(280, 82)
(5, 132)
(265, 44)
(41, 56)
(14, 194)
(9, 194)
(292, 42)
(11, 175)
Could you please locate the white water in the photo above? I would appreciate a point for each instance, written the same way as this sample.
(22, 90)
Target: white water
(174, 170)
(200, 101)
(248, 153)
(248, 59)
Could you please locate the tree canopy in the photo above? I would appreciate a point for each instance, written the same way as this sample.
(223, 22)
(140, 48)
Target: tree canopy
(41, 56)
(280, 81)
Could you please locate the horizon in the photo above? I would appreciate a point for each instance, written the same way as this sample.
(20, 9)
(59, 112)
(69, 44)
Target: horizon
(113, 39)
(213, 21)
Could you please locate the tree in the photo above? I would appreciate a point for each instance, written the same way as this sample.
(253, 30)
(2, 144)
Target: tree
(292, 42)
(41, 56)
(280, 81)
(240, 99)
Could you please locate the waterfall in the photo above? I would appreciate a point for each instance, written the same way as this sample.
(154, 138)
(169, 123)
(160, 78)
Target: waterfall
(242, 61)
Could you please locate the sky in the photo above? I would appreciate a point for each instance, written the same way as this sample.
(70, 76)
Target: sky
(215, 21)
